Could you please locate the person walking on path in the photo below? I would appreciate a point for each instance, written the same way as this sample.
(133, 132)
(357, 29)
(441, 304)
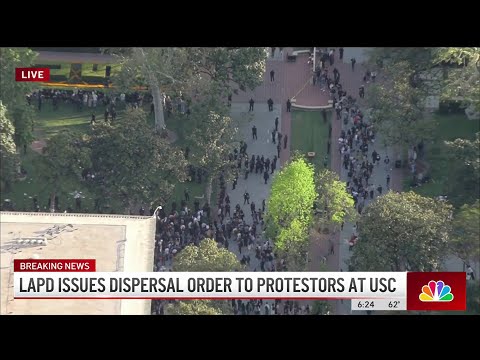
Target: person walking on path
(331, 56)
(387, 162)
(272, 76)
(374, 156)
(273, 164)
(379, 189)
(274, 133)
(285, 139)
(341, 53)
(246, 198)
(289, 105)
(270, 104)
(388, 181)
(361, 92)
(254, 132)
(353, 60)
(251, 102)
(266, 176)
(276, 124)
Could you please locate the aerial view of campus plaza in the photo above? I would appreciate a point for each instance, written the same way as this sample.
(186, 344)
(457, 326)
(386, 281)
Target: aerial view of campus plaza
(240, 159)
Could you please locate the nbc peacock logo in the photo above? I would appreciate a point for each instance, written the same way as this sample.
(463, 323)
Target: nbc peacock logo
(436, 291)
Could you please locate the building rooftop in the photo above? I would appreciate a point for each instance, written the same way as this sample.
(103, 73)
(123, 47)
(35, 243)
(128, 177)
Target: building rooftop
(116, 242)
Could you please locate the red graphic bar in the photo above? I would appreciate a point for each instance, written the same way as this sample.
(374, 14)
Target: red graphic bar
(52, 265)
(32, 74)
(437, 291)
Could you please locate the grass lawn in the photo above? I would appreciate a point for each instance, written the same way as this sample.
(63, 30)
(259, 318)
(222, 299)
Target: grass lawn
(449, 127)
(48, 123)
(310, 133)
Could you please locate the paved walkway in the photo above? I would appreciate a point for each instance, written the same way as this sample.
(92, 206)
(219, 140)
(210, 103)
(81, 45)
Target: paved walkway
(292, 79)
(351, 81)
(264, 120)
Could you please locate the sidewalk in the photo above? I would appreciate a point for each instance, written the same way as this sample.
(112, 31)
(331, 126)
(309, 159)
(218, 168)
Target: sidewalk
(351, 81)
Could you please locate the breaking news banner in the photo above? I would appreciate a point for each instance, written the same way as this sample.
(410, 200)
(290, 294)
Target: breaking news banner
(77, 279)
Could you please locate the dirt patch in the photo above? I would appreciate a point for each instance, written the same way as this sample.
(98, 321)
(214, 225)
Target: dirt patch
(169, 135)
(319, 251)
(38, 146)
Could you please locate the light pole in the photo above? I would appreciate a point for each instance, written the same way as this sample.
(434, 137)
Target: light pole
(155, 212)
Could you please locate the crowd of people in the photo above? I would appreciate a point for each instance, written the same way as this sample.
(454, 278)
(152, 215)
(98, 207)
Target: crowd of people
(83, 99)
(229, 226)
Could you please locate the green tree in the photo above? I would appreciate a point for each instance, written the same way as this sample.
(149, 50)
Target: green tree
(459, 68)
(402, 231)
(322, 307)
(462, 184)
(65, 156)
(207, 257)
(228, 67)
(212, 140)
(396, 107)
(334, 204)
(473, 297)
(136, 165)
(155, 67)
(466, 233)
(13, 94)
(292, 244)
(419, 58)
(193, 307)
(190, 70)
(8, 153)
(461, 81)
(292, 198)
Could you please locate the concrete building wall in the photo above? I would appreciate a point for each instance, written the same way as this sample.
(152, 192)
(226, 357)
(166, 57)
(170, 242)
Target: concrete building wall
(134, 253)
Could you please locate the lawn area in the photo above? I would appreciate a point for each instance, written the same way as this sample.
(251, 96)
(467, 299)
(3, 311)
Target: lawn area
(449, 127)
(67, 116)
(310, 133)
(48, 123)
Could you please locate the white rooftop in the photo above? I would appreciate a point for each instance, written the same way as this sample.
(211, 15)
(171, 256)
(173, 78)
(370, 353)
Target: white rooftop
(117, 242)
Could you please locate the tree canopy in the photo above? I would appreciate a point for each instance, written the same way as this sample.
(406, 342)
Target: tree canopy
(190, 70)
(334, 203)
(464, 159)
(207, 257)
(65, 156)
(193, 307)
(8, 153)
(290, 204)
(466, 233)
(396, 107)
(212, 139)
(135, 165)
(402, 231)
(459, 66)
(13, 94)
(461, 81)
